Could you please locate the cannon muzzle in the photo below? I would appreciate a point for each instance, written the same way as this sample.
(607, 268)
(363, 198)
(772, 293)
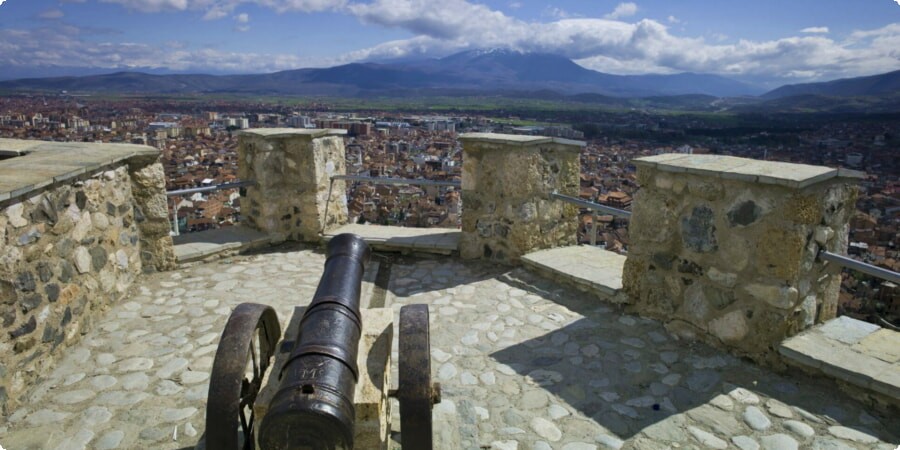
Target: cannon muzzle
(313, 407)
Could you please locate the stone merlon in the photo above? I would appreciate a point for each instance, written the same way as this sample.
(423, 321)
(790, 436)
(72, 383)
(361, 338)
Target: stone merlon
(41, 164)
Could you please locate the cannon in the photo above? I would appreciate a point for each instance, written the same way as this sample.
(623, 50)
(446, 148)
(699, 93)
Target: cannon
(313, 405)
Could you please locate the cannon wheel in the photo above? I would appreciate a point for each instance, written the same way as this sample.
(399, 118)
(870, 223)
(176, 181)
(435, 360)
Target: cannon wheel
(415, 393)
(245, 350)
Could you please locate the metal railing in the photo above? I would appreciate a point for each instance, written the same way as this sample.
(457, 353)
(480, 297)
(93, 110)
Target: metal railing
(215, 187)
(860, 266)
(595, 208)
(404, 181)
(211, 188)
(386, 181)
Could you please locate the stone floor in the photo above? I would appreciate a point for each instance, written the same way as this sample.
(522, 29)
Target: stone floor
(442, 241)
(524, 363)
(583, 265)
(196, 246)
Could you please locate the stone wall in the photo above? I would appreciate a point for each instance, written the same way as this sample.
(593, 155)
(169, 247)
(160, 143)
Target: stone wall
(148, 182)
(71, 241)
(724, 249)
(506, 185)
(294, 198)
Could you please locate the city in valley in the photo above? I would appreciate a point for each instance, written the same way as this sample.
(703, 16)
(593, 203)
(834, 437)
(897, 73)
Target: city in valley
(198, 137)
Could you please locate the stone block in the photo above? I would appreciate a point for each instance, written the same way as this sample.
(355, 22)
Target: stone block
(782, 297)
(294, 196)
(882, 344)
(847, 330)
(724, 247)
(507, 182)
(698, 231)
(730, 327)
(779, 253)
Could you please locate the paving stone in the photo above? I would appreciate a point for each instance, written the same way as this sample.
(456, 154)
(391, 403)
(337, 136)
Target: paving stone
(827, 443)
(778, 442)
(756, 419)
(808, 416)
(546, 429)
(847, 330)
(135, 364)
(73, 397)
(714, 419)
(608, 441)
(851, 435)
(110, 440)
(78, 441)
(672, 429)
(446, 372)
(177, 415)
(153, 434)
(557, 412)
(745, 443)
(707, 439)
(45, 417)
(96, 415)
(135, 381)
(799, 428)
(581, 370)
(579, 446)
(534, 399)
(722, 402)
(191, 377)
(120, 398)
(73, 378)
(169, 369)
(779, 409)
(744, 396)
(102, 382)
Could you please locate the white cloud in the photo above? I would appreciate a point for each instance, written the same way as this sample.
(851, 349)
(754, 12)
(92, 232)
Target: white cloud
(815, 30)
(517, 5)
(215, 14)
(614, 46)
(152, 5)
(558, 13)
(454, 19)
(673, 19)
(51, 14)
(218, 9)
(621, 47)
(66, 46)
(623, 10)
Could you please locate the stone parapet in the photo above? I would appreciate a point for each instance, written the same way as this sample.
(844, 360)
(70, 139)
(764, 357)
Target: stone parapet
(724, 249)
(294, 197)
(75, 223)
(506, 185)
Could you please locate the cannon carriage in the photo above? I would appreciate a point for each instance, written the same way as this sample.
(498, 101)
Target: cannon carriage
(310, 398)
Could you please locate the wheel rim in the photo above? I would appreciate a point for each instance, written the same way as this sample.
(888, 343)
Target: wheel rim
(245, 351)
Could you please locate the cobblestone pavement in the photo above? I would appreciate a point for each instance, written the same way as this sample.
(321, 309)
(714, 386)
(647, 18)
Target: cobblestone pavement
(140, 379)
(524, 363)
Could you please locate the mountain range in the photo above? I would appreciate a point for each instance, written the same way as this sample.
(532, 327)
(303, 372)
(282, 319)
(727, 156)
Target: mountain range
(473, 72)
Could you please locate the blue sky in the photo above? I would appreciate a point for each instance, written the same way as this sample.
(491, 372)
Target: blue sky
(781, 40)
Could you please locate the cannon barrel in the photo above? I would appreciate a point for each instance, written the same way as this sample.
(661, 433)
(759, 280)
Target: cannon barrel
(313, 407)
